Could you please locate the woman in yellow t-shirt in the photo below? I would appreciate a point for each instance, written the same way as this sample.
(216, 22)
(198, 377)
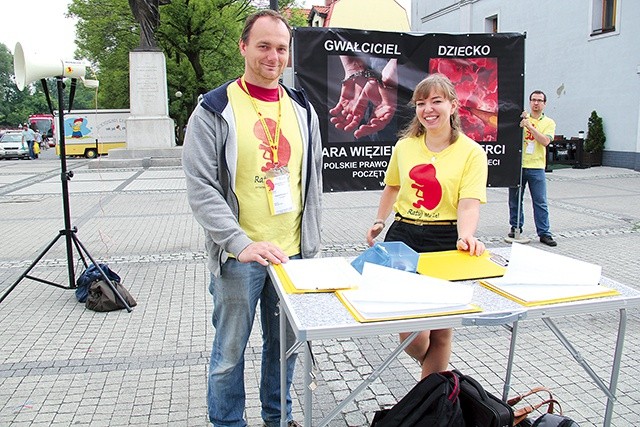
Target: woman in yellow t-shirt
(435, 183)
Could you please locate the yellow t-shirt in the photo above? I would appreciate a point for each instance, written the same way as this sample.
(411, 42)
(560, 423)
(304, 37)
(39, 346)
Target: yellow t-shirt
(537, 159)
(255, 157)
(431, 184)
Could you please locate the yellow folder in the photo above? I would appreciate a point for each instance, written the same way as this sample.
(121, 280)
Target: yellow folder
(329, 274)
(459, 265)
(533, 295)
(397, 312)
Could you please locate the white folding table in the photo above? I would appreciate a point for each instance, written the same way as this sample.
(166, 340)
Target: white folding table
(319, 316)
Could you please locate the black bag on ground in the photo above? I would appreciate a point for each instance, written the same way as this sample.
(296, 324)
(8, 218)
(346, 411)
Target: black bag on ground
(102, 298)
(481, 408)
(90, 275)
(543, 399)
(554, 420)
(433, 402)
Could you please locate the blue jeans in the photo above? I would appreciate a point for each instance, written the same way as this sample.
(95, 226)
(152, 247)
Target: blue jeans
(32, 154)
(538, 189)
(235, 297)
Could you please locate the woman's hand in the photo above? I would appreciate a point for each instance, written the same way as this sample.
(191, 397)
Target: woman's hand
(471, 245)
(374, 232)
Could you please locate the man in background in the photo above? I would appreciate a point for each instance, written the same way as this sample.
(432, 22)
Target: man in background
(538, 133)
(28, 137)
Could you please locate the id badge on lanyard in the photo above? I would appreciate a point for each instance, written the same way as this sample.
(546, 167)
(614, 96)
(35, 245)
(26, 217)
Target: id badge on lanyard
(278, 187)
(530, 147)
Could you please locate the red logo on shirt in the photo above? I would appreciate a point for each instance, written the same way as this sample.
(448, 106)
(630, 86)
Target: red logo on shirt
(284, 148)
(428, 188)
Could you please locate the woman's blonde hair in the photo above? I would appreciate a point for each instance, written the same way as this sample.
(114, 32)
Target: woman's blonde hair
(433, 83)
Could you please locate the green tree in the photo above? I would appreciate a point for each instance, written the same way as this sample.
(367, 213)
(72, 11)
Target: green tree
(8, 90)
(199, 39)
(105, 33)
(595, 134)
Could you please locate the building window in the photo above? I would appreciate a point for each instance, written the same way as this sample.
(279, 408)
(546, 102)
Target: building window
(491, 24)
(604, 16)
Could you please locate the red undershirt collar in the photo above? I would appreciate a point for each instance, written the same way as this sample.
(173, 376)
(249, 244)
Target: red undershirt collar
(261, 93)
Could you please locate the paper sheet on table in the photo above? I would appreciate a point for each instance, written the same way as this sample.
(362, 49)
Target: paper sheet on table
(317, 275)
(528, 265)
(387, 293)
(536, 277)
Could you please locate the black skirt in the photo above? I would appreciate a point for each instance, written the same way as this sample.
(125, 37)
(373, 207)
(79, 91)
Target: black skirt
(423, 238)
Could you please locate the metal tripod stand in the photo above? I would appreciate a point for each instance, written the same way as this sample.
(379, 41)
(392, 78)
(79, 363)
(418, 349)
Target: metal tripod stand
(69, 232)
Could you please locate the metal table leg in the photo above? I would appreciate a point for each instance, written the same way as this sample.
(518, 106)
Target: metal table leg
(282, 322)
(610, 391)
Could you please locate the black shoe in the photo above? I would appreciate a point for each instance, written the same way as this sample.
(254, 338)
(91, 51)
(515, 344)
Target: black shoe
(548, 240)
(512, 233)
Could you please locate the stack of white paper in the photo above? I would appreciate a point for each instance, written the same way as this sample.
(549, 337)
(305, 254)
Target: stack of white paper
(387, 293)
(320, 274)
(537, 277)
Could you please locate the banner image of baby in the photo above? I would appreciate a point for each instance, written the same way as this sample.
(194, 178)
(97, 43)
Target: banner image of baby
(476, 82)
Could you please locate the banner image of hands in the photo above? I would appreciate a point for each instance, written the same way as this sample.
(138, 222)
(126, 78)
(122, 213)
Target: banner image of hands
(360, 83)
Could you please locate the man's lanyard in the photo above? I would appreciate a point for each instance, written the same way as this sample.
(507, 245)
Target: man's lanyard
(274, 140)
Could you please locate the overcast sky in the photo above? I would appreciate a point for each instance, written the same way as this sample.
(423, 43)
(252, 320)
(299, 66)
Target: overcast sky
(39, 25)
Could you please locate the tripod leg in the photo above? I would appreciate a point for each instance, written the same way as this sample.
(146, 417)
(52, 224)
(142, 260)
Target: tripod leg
(78, 249)
(79, 244)
(33, 264)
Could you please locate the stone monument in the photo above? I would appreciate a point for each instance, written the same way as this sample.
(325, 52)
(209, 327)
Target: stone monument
(150, 130)
(149, 125)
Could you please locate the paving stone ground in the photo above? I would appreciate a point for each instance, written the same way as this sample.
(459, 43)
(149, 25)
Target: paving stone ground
(61, 364)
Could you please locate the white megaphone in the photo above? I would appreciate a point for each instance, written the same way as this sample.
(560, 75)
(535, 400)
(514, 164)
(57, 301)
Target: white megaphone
(28, 69)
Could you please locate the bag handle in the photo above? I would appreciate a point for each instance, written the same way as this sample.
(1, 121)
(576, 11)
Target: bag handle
(481, 391)
(453, 396)
(521, 414)
(535, 390)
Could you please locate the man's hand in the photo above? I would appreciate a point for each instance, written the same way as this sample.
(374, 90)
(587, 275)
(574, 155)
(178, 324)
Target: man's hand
(358, 92)
(525, 123)
(350, 108)
(263, 253)
(383, 112)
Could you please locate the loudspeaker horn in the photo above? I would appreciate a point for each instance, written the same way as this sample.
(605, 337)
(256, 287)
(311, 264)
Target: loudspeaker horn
(28, 69)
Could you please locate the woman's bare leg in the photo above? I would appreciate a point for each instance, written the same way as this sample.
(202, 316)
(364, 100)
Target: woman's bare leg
(432, 349)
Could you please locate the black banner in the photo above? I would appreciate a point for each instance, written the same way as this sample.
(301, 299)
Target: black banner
(487, 70)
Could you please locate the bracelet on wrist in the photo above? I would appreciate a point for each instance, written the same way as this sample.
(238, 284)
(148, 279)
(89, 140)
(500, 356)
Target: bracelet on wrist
(379, 221)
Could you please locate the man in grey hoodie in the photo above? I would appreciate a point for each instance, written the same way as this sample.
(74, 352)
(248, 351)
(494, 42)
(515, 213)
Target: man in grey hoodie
(252, 157)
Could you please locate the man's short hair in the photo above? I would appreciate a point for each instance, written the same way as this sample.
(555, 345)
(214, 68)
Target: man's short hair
(251, 19)
(539, 92)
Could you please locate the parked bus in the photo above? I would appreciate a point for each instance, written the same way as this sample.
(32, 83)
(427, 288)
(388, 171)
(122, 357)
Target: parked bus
(91, 133)
(46, 124)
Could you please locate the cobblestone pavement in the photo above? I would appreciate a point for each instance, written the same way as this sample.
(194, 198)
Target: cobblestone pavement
(61, 364)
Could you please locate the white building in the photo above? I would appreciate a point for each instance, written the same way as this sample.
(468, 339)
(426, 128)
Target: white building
(585, 55)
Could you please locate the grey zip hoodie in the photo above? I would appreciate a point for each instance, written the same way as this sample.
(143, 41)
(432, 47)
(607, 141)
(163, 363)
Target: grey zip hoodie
(209, 161)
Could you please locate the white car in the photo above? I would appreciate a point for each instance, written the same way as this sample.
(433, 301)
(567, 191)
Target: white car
(11, 146)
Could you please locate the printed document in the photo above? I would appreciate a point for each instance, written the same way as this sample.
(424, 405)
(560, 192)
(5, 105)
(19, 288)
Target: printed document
(317, 275)
(537, 277)
(386, 293)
